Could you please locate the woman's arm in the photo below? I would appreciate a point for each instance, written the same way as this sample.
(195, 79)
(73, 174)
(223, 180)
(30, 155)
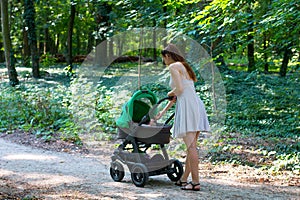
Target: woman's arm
(167, 107)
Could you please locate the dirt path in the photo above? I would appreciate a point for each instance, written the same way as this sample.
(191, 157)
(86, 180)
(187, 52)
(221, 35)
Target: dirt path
(27, 172)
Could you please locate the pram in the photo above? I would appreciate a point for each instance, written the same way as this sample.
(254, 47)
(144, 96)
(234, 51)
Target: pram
(138, 137)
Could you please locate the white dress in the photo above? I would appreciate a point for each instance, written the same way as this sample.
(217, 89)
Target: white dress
(190, 113)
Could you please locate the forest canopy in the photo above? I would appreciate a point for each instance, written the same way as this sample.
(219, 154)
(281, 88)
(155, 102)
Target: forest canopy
(263, 35)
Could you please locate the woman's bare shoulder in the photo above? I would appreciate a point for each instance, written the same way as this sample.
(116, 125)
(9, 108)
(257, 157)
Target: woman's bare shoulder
(176, 66)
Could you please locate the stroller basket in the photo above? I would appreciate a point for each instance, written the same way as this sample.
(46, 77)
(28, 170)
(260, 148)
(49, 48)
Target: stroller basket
(159, 134)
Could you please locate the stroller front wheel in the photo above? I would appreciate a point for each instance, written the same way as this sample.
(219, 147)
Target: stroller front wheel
(176, 171)
(139, 175)
(117, 171)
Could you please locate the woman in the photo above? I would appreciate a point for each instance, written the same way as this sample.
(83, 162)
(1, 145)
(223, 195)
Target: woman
(190, 113)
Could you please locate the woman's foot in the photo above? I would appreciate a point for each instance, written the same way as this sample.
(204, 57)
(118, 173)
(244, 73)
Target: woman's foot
(181, 183)
(191, 186)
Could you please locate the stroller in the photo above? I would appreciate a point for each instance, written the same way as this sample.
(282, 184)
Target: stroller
(138, 136)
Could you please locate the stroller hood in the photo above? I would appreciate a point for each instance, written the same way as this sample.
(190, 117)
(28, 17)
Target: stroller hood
(135, 109)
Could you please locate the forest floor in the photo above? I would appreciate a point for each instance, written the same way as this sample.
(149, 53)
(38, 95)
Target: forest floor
(33, 169)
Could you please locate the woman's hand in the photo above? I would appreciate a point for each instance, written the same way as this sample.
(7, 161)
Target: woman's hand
(171, 94)
(159, 115)
(168, 106)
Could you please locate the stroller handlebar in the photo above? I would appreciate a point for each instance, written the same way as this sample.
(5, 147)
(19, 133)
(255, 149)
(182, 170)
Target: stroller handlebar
(146, 118)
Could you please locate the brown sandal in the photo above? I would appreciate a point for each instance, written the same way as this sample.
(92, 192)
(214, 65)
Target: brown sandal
(181, 183)
(193, 186)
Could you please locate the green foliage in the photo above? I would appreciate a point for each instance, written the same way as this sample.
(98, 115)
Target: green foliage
(42, 111)
(263, 104)
(47, 60)
(263, 110)
(106, 111)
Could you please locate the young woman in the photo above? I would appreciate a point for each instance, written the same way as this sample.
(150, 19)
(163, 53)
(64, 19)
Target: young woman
(190, 113)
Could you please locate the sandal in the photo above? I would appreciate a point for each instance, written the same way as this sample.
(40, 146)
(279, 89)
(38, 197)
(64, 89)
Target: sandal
(181, 183)
(193, 186)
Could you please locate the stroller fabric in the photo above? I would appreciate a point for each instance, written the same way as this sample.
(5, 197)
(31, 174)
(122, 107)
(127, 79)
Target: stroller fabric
(135, 109)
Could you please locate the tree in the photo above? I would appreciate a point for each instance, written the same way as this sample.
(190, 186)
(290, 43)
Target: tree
(29, 16)
(250, 38)
(70, 34)
(9, 56)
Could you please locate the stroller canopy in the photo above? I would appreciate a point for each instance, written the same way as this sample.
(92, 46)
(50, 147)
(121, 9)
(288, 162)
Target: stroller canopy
(135, 109)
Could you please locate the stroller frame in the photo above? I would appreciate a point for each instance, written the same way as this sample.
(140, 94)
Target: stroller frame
(132, 152)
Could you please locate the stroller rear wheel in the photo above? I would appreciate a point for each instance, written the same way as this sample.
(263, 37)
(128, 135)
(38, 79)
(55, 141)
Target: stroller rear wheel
(139, 175)
(176, 171)
(117, 171)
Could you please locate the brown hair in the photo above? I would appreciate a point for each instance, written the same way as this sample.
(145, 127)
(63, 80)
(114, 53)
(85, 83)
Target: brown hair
(176, 55)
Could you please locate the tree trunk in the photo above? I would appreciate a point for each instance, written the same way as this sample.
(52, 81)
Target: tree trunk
(111, 49)
(26, 48)
(57, 43)
(265, 46)
(250, 40)
(46, 45)
(102, 19)
(286, 57)
(165, 21)
(91, 42)
(251, 60)
(2, 55)
(154, 43)
(29, 16)
(70, 34)
(46, 41)
(12, 73)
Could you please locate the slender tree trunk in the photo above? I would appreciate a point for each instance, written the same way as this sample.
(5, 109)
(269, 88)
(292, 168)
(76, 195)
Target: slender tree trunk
(286, 57)
(154, 43)
(2, 55)
(26, 49)
(70, 34)
(29, 16)
(165, 21)
(250, 39)
(91, 38)
(265, 46)
(111, 49)
(251, 60)
(12, 73)
(91, 43)
(78, 43)
(57, 43)
(46, 41)
(102, 19)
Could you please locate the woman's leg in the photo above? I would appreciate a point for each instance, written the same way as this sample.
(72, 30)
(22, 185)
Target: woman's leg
(192, 159)
(187, 169)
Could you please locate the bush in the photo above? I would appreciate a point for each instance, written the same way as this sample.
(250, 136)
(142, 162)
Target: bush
(43, 111)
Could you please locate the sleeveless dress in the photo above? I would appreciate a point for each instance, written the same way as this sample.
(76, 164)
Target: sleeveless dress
(190, 113)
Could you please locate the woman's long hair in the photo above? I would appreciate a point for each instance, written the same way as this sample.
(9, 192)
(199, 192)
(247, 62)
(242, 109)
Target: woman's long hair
(176, 55)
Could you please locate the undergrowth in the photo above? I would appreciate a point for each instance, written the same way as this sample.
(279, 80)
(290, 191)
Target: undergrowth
(262, 115)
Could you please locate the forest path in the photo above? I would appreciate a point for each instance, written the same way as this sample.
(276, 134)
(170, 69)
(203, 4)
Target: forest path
(26, 171)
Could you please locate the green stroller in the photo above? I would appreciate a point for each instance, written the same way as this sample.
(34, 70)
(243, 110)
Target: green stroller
(138, 136)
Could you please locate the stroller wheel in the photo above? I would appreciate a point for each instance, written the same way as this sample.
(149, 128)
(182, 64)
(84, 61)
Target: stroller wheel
(139, 175)
(176, 171)
(116, 171)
